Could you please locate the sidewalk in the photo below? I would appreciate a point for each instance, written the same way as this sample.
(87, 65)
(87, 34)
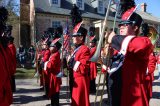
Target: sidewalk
(29, 94)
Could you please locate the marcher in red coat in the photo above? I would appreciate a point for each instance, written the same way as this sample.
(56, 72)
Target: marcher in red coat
(5, 87)
(150, 75)
(9, 68)
(45, 57)
(151, 65)
(4, 81)
(53, 67)
(79, 63)
(93, 66)
(133, 60)
(12, 49)
(40, 56)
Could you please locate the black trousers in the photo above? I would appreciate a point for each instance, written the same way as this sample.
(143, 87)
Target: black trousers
(114, 88)
(70, 81)
(13, 84)
(107, 75)
(92, 86)
(55, 99)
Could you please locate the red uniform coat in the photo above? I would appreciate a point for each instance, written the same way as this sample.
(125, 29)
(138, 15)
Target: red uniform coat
(5, 87)
(158, 59)
(46, 56)
(44, 74)
(93, 65)
(133, 75)
(150, 75)
(134, 69)
(53, 67)
(13, 56)
(80, 92)
(40, 71)
(8, 59)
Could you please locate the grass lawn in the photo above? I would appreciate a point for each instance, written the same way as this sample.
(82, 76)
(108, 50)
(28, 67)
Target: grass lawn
(158, 49)
(22, 73)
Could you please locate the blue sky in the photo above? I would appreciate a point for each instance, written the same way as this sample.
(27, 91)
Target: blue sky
(153, 6)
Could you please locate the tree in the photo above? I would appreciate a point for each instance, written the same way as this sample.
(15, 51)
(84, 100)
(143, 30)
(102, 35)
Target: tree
(13, 9)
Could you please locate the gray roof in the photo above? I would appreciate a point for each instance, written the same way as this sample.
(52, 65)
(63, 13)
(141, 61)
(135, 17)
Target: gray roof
(42, 6)
(66, 6)
(62, 11)
(148, 17)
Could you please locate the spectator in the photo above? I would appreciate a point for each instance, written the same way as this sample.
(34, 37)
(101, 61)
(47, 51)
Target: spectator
(31, 54)
(21, 55)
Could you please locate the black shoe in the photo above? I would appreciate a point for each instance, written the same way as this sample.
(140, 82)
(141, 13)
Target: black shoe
(106, 102)
(92, 92)
(42, 88)
(45, 96)
(64, 75)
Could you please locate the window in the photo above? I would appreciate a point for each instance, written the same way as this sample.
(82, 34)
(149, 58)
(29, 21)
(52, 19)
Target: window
(54, 1)
(56, 24)
(79, 3)
(100, 6)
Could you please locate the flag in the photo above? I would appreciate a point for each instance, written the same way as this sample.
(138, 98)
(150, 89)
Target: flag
(66, 37)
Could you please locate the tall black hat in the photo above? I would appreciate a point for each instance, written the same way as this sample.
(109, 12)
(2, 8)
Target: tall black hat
(57, 45)
(58, 32)
(46, 41)
(10, 38)
(79, 30)
(124, 6)
(132, 18)
(75, 15)
(9, 27)
(8, 30)
(3, 17)
(144, 29)
(50, 32)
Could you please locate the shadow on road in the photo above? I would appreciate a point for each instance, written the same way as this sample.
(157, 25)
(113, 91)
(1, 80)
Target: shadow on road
(104, 103)
(156, 95)
(22, 90)
(156, 83)
(23, 99)
(156, 77)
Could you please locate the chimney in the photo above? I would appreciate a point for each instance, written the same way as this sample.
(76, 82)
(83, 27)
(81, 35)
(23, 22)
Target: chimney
(143, 7)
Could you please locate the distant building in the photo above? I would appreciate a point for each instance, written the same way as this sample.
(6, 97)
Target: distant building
(53, 13)
(14, 21)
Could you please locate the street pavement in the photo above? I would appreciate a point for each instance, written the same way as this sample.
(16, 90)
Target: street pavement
(29, 94)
